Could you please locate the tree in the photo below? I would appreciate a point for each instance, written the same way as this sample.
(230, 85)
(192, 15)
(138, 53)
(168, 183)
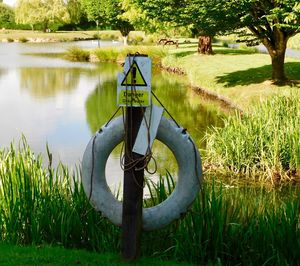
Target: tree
(272, 22)
(108, 13)
(139, 19)
(44, 12)
(7, 16)
(205, 18)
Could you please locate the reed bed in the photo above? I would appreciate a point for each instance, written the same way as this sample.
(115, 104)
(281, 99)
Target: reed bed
(226, 225)
(263, 144)
(41, 204)
(113, 54)
(77, 54)
(117, 54)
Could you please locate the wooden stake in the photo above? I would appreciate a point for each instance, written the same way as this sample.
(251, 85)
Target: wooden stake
(132, 189)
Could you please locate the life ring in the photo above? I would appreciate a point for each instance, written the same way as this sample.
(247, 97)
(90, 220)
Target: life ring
(184, 193)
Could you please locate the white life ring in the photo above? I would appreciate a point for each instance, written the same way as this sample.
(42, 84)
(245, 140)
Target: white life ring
(184, 193)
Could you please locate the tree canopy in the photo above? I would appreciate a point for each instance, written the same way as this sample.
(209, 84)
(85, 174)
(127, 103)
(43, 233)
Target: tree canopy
(45, 13)
(7, 16)
(108, 13)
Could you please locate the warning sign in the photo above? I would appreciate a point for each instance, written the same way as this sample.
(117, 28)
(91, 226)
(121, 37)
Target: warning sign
(134, 98)
(134, 84)
(134, 77)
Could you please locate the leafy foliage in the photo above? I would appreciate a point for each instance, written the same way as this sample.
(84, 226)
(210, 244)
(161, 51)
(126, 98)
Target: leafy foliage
(107, 13)
(7, 16)
(46, 12)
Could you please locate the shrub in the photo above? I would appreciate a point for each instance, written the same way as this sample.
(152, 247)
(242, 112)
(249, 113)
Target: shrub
(23, 39)
(76, 54)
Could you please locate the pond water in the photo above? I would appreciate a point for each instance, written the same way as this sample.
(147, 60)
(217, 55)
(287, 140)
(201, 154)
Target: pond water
(62, 103)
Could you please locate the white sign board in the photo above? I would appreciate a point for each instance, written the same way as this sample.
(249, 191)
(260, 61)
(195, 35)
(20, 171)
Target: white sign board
(134, 85)
(149, 126)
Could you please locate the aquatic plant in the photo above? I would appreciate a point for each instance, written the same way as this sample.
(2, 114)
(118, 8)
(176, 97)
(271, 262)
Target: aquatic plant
(77, 54)
(263, 144)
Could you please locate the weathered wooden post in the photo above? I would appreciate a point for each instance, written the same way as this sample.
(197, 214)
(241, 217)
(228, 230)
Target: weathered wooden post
(132, 189)
(134, 93)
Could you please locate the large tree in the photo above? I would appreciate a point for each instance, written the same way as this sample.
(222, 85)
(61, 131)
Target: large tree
(108, 13)
(272, 22)
(45, 13)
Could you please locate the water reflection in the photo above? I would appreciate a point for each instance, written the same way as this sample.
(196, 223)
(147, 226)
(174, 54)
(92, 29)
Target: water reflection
(45, 82)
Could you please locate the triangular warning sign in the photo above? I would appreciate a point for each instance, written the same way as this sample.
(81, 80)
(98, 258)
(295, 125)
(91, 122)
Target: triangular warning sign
(134, 77)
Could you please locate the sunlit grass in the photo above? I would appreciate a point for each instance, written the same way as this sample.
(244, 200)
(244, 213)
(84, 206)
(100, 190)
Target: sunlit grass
(294, 42)
(240, 75)
(53, 36)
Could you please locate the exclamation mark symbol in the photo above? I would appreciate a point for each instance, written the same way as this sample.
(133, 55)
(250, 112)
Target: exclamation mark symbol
(133, 73)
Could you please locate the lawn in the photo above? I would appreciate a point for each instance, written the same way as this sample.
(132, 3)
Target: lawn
(240, 75)
(47, 255)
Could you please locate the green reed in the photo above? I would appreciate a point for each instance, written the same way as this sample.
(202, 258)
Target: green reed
(118, 54)
(230, 225)
(264, 143)
(41, 204)
(77, 54)
(225, 226)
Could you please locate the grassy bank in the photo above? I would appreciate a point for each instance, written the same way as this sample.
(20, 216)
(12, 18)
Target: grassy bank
(61, 36)
(226, 226)
(240, 75)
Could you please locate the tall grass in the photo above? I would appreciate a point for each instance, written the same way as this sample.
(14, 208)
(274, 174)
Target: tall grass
(41, 204)
(226, 225)
(77, 54)
(264, 144)
(117, 54)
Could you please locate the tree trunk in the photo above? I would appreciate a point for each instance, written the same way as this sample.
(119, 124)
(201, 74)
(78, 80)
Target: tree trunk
(278, 74)
(277, 53)
(125, 40)
(205, 45)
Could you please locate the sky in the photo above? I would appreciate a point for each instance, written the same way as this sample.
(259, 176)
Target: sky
(9, 2)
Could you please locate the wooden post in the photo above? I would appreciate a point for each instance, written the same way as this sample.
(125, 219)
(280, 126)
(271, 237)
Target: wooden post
(132, 189)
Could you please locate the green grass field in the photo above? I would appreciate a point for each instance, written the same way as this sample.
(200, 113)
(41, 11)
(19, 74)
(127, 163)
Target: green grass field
(46, 255)
(241, 75)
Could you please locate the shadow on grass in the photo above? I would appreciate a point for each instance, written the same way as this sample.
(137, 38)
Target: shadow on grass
(259, 75)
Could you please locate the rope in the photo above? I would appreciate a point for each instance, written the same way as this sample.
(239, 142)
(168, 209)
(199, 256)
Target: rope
(165, 109)
(93, 164)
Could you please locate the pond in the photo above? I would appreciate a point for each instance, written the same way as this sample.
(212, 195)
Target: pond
(63, 104)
